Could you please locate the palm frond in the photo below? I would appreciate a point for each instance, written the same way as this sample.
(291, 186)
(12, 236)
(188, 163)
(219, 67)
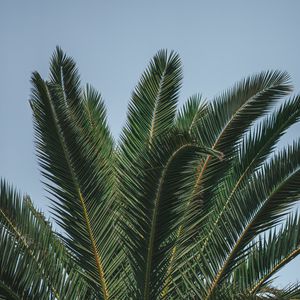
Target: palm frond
(63, 72)
(192, 203)
(189, 116)
(265, 200)
(153, 105)
(78, 174)
(269, 254)
(230, 116)
(236, 108)
(254, 151)
(32, 256)
(153, 194)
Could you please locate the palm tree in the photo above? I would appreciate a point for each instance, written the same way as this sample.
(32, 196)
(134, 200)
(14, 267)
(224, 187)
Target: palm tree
(189, 204)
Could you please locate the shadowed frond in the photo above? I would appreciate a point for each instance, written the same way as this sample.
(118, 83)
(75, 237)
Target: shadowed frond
(154, 205)
(32, 256)
(269, 254)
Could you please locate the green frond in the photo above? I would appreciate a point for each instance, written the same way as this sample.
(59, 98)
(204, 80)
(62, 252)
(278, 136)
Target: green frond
(226, 215)
(259, 206)
(291, 292)
(152, 109)
(153, 197)
(253, 152)
(230, 116)
(97, 127)
(190, 204)
(227, 119)
(33, 259)
(63, 72)
(231, 113)
(79, 175)
(269, 254)
(189, 116)
(18, 276)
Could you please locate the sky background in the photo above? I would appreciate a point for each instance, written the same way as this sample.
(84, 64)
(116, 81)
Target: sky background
(219, 42)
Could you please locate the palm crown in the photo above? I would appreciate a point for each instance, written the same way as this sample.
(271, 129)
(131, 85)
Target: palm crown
(189, 204)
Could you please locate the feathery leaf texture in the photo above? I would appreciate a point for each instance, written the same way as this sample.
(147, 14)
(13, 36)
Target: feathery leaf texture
(190, 203)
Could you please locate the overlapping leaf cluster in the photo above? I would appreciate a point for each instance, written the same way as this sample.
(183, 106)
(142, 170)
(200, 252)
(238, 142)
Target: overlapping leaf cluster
(190, 203)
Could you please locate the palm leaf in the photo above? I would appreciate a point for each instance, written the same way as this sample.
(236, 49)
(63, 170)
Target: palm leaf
(254, 151)
(190, 204)
(269, 254)
(189, 116)
(153, 106)
(33, 258)
(71, 161)
(229, 117)
(154, 203)
(265, 200)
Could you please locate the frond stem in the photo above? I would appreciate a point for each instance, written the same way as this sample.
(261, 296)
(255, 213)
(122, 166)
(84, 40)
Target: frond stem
(154, 218)
(151, 134)
(275, 269)
(245, 231)
(20, 237)
(98, 261)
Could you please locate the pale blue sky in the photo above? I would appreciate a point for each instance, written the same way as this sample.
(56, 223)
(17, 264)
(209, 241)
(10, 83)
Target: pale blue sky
(112, 41)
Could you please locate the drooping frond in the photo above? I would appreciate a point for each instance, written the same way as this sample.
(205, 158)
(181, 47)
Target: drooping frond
(258, 206)
(269, 254)
(34, 263)
(230, 193)
(257, 146)
(231, 113)
(229, 117)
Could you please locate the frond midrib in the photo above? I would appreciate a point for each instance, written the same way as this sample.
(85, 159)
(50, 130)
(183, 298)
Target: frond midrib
(8, 290)
(153, 221)
(276, 267)
(21, 238)
(241, 178)
(96, 254)
(220, 273)
(156, 105)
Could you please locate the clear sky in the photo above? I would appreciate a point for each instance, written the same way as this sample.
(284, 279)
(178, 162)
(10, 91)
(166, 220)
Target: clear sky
(112, 41)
